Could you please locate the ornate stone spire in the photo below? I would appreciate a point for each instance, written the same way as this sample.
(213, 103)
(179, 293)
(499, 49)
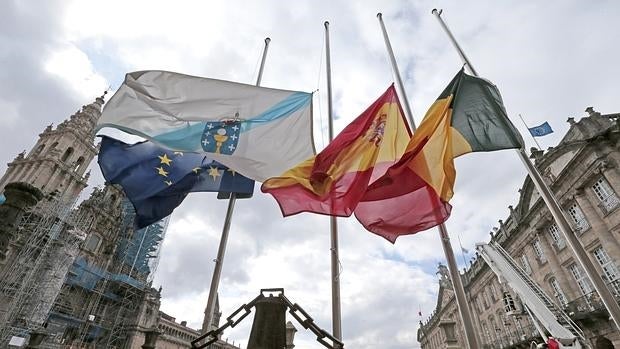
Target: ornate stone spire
(60, 157)
(84, 120)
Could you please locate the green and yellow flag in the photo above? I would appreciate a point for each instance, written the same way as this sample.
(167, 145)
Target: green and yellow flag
(414, 194)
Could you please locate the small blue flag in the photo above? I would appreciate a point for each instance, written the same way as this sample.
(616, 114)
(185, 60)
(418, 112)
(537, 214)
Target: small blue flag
(541, 130)
(156, 180)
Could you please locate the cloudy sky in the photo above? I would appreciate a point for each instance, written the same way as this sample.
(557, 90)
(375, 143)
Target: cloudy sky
(550, 60)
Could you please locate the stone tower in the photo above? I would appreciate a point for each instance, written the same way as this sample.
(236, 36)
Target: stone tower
(59, 159)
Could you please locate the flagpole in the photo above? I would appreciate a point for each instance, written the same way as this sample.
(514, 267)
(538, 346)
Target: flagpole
(333, 223)
(219, 261)
(556, 211)
(455, 276)
(528, 130)
(399, 81)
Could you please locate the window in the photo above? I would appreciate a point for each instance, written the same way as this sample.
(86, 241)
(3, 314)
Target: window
(479, 302)
(476, 305)
(92, 242)
(525, 265)
(485, 329)
(449, 332)
(608, 198)
(493, 327)
(485, 299)
(67, 154)
(509, 303)
(492, 291)
(581, 223)
(78, 163)
(582, 280)
(557, 292)
(502, 319)
(538, 250)
(558, 240)
(609, 267)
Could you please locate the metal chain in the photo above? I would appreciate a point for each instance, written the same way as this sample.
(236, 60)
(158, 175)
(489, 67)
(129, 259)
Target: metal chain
(304, 320)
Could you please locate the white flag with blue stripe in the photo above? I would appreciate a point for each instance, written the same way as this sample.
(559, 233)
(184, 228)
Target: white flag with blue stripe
(259, 132)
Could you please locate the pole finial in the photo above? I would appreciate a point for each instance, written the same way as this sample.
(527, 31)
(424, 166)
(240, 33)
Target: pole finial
(267, 40)
(436, 12)
(379, 15)
(326, 24)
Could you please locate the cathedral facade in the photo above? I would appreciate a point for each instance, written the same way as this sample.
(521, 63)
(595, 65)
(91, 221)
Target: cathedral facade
(583, 171)
(78, 277)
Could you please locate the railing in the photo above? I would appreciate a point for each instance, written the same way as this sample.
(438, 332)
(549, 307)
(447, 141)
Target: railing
(609, 203)
(582, 225)
(512, 335)
(592, 302)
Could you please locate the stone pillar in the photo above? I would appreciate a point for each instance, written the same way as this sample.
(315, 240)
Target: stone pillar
(150, 338)
(19, 196)
(268, 328)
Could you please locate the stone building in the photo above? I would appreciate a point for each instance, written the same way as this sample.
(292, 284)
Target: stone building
(174, 335)
(78, 277)
(583, 171)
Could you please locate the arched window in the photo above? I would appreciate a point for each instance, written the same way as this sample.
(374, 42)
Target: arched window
(67, 154)
(557, 292)
(509, 303)
(78, 163)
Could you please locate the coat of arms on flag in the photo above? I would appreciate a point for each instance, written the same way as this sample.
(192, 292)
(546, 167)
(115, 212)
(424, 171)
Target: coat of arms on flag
(221, 137)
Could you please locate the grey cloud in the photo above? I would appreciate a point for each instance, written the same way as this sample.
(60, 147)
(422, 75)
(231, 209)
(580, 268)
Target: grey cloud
(28, 34)
(550, 60)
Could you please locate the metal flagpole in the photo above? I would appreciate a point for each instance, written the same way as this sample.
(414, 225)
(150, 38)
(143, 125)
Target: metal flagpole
(219, 261)
(455, 276)
(528, 129)
(399, 81)
(556, 211)
(333, 223)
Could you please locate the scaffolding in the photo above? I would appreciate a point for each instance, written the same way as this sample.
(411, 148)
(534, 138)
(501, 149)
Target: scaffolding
(82, 299)
(47, 241)
(109, 294)
(135, 250)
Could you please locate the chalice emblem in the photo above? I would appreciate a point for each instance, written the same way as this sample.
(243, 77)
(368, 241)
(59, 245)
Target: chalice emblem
(221, 137)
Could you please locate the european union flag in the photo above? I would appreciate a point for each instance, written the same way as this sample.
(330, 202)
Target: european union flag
(541, 130)
(156, 180)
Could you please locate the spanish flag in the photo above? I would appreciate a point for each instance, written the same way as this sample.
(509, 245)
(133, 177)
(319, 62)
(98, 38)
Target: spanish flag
(334, 181)
(414, 194)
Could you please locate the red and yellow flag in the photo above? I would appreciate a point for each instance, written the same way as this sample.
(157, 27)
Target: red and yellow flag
(414, 194)
(334, 181)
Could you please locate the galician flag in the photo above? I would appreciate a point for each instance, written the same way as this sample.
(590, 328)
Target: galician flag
(259, 132)
(334, 181)
(414, 194)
